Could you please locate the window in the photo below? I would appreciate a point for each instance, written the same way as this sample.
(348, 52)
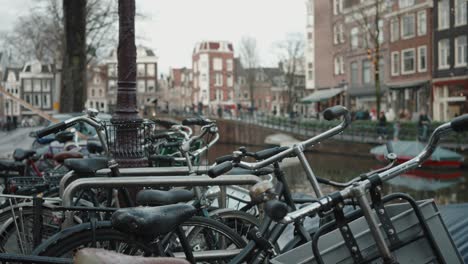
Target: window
(339, 65)
(444, 54)
(229, 81)
(229, 65)
(354, 38)
(381, 33)
(460, 12)
(140, 69)
(150, 70)
(408, 60)
(203, 77)
(354, 72)
(150, 85)
(46, 100)
(37, 85)
(395, 63)
(92, 92)
(27, 85)
(218, 79)
(217, 64)
(461, 54)
(335, 34)
(443, 14)
(141, 86)
(37, 102)
(366, 72)
(422, 59)
(406, 3)
(28, 98)
(422, 23)
(341, 33)
(46, 85)
(337, 6)
(100, 92)
(112, 68)
(407, 26)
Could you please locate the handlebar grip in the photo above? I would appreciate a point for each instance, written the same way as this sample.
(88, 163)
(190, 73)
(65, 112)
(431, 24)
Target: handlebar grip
(223, 159)
(220, 169)
(164, 123)
(334, 112)
(266, 153)
(196, 121)
(276, 210)
(460, 124)
(389, 146)
(52, 129)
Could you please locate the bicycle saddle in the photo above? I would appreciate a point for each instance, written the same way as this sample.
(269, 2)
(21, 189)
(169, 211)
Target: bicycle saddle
(90, 165)
(157, 197)
(102, 256)
(9, 165)
(22, 154)
(64, 155)
(151, 221)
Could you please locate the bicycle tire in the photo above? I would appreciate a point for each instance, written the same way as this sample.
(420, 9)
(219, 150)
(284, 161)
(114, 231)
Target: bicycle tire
(68, 240)
(240, 221)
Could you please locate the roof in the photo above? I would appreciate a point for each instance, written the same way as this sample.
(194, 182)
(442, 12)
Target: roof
(321, 95)
(16, 71)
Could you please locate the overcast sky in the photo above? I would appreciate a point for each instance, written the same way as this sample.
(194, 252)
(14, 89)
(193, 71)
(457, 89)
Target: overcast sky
(172, 27)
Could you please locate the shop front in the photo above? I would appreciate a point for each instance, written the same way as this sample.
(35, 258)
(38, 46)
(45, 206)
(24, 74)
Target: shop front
(450, 98)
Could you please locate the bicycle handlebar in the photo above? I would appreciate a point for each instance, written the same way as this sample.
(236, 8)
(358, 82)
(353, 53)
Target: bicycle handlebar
(197, 121)
(334, 112)
(460, 124)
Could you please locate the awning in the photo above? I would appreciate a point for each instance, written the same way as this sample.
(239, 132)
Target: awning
(410, 85)
(320, 96)
(365, 90)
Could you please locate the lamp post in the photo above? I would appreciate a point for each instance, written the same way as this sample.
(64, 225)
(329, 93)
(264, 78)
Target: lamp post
(125, 119)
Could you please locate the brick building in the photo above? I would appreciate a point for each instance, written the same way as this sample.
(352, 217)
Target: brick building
(450, 77)
(409, 28)
(179, 90)
(213, 75)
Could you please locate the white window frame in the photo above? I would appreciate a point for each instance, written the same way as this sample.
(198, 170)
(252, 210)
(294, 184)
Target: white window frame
(405, 3)
(402, 24)
(218, 79)
(439, 47)
(341, 33)
(463, 14)
(217, 64)
(422, 30)
(422, 50)
(446, 14)
(462, 64)
(402, 67)
(342, 71)
(354, 38)
(336, 39)
(336, 65)
(229, 65)
(394, 29)
(229, 80)
(395, 72)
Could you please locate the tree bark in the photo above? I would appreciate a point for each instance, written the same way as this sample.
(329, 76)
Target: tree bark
(73, 90)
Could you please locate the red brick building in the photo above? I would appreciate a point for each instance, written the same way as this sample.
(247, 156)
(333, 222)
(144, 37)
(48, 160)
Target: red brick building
(213, 75)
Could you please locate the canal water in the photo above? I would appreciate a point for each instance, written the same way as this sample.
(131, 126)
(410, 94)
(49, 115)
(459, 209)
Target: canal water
(444, 186)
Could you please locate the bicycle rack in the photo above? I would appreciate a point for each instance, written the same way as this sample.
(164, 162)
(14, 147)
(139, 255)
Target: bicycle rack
(149, 181)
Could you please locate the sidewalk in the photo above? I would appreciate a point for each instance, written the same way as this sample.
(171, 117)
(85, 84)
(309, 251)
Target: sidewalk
(18, 138)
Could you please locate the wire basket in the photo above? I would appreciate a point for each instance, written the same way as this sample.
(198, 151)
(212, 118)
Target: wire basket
(126, 139)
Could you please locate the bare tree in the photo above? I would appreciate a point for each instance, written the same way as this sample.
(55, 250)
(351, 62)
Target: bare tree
(369, 20)
(40, 34)
(249, 57)
(291, 55)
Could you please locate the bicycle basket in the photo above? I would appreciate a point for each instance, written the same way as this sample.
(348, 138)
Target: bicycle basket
(126, 139)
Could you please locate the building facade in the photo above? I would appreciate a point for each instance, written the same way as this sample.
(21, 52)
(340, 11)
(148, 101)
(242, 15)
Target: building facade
(450, 76)
(12, 84)
(37, 86)
(96, 96)
(410, 46)
(213, 75)
(179, 91)
(146, 83)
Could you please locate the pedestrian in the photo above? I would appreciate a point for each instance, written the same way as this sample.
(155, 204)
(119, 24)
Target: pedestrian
(423, 125)
(382, 126)
(396, 129)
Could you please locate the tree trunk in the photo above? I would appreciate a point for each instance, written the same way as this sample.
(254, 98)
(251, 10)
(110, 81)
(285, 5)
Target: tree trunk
(73, 92)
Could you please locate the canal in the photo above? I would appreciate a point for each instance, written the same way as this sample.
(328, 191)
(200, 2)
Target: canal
(444, 186)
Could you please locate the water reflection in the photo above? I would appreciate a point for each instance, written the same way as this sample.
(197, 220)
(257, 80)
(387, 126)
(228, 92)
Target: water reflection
(445, 186)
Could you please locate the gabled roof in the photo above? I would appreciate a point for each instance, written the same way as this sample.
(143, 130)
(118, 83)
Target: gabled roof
(16, 71)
